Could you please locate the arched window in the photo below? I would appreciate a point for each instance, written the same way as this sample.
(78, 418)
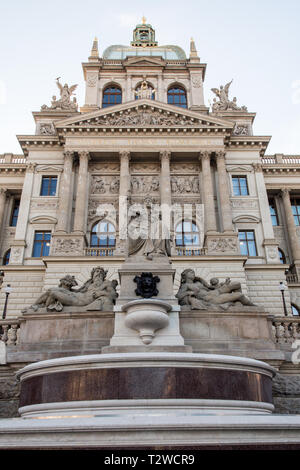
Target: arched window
(6, 257)
(111, 95)
(187, 234)
(282, 257)
(177, 96)
(295, 310)
(103, 235)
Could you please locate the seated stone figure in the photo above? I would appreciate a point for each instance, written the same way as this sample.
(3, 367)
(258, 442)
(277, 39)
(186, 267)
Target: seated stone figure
(196, 293)
(96, 293)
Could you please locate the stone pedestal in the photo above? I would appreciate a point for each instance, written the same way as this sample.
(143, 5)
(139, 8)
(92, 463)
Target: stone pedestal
(135, 316)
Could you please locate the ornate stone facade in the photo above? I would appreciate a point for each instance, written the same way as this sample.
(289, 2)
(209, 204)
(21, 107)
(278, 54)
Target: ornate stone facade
(65, 202)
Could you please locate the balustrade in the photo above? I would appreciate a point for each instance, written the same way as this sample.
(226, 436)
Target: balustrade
(286, 330)
(9, 331)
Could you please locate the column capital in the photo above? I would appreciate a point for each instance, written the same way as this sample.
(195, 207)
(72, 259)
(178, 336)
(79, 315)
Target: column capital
(165, 155)
(220, 154)
(3, 191)
(257, 167)
(205, 155)
(30, 167)
(284, 192)
(84, 154)
(125, 154)
(68, 154)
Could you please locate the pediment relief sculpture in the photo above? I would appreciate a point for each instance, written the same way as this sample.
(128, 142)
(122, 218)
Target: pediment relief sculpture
(196, 294)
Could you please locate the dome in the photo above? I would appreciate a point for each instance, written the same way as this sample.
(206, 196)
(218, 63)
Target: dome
(169, 52)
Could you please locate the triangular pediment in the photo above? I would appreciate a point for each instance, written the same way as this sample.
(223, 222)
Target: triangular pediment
(133, 61)
(144, 113)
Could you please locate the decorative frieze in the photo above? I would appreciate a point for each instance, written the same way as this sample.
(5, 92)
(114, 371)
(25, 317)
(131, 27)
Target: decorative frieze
(185, 184)
(107, 185)
(68, 245)
(144, 184)
(220, 244)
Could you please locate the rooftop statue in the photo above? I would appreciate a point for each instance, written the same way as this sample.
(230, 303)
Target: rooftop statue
(64, 103)
(224, 103)
(196, 294)
(96, 293)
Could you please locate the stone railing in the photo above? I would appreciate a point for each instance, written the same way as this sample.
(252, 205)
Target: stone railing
(286, 330)
(99, 251)
(11, 158)
(280, 159)
(9, 331)
(190, 251)
(292, 278)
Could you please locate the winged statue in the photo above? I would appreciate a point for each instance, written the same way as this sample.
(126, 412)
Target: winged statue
(65, 102)
(224, 102)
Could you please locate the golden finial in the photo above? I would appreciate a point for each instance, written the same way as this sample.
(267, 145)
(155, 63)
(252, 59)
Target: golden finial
(143, 20)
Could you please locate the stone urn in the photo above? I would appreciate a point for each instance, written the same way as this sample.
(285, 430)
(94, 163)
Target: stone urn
(146, 316)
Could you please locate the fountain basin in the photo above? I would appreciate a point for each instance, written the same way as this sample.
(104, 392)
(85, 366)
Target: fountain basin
(150, 384)
(146, 316)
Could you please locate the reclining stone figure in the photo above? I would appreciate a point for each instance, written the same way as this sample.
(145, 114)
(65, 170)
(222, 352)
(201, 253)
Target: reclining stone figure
(96, 293)
(196, 293)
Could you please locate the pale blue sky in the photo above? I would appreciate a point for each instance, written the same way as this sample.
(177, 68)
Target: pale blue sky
(256, 43)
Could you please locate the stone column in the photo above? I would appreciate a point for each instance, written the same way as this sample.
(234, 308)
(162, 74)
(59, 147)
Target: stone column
(128, 87)
(65, 194)
(210, 224)
(82, 193)
(269, 243)
(226, 213)
(124, 194)
(291, 227)
(2, 205)
(19, 243)
(165, 182)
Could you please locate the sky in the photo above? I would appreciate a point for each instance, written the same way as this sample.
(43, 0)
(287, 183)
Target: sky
(254, 43)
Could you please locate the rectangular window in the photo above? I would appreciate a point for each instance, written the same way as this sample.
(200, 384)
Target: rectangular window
(247, 242)
(240, 186)
(41, 244)
(296, 210)
(273, 212)
(15, 213)
(48, 187)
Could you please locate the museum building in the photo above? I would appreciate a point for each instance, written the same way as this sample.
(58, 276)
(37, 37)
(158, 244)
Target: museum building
(146, 136)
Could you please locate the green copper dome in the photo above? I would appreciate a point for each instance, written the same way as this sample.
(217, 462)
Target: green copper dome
(144, 44)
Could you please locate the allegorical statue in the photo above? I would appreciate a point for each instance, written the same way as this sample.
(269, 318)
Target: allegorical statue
(196, 293)
(64, 103)
(144, 91)
(224, 103)
(96, 293)
(147, 241)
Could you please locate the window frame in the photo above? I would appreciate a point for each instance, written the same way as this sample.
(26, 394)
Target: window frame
(239, 187)
(295, 308)
(282, 258)
(296, 212)
(13, 216)
(43, 243)
(6, 256)
(105, 93)
(107, 234)
(184, 94)
(274, 207)
(185, 234)
(51, 178)
(247, 241)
